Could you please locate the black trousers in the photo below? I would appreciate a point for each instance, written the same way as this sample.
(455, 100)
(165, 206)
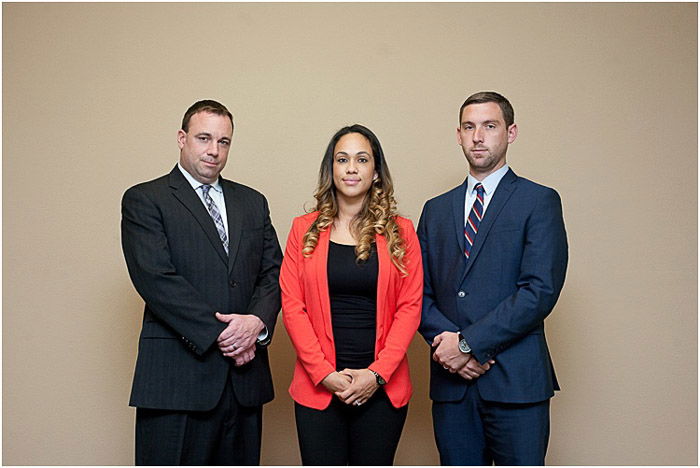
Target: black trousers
(350, 435)
(230, 434)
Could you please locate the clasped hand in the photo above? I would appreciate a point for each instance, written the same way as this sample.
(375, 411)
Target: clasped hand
(448, 355)
(237, 341)
(352, 386)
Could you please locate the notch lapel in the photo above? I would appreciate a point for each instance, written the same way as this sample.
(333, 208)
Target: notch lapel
(234, 215)
(458, 207)
(182, 190)
(499, 199)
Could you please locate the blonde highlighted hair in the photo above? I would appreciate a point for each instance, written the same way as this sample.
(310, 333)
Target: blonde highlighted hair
(378, 213)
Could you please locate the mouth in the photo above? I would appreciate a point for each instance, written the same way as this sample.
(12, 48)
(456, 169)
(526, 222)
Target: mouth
(351, 182)
(209, 163)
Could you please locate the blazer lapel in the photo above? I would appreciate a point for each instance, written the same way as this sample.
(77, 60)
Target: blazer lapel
(498, 201)
(234, 215)
(320, 260)
(382, 282)
(182, 190)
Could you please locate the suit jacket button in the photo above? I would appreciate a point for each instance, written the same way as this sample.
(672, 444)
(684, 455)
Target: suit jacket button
(461, 294)
(233, 284)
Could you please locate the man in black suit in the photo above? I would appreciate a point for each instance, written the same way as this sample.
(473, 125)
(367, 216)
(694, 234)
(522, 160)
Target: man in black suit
(202, 253)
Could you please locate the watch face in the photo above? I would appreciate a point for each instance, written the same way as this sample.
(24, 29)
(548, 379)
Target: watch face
(464, 347)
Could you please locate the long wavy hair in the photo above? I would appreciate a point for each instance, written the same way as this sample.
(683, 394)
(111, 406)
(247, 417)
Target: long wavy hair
(378, 212)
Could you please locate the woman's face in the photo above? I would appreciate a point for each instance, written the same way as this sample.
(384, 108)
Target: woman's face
(353, 167)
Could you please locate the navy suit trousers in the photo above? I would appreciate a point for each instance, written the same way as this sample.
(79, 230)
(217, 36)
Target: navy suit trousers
(478, 432)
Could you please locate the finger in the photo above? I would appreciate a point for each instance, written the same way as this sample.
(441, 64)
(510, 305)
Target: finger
(222, 317)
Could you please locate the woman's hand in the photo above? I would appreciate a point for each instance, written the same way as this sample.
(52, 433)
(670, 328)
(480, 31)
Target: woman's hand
(362, 387)
(336, 382)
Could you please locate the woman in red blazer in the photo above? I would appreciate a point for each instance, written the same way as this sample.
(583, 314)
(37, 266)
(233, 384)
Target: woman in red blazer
(352, 286)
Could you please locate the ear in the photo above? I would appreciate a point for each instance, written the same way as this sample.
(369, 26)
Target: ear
(512, 133)
(181, 137)
(376, 176)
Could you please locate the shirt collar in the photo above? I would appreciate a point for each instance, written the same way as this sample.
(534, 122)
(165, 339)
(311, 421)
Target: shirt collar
(490, 182)
(195, 183)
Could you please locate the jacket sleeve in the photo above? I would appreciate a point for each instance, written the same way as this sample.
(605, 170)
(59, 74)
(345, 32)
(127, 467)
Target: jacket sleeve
(295, 312)
(265, 302)
(433, 321)
(542, 272)
(408, 308)
(168, 295)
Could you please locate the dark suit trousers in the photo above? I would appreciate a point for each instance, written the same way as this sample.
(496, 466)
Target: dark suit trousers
(229, 434)
(478, 432)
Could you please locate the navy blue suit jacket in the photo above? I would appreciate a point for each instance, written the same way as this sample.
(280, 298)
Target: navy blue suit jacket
(500, 297)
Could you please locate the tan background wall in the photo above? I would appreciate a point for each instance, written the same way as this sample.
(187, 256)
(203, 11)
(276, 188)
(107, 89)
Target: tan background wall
(606, 99)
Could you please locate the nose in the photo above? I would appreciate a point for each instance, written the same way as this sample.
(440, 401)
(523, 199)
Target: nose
(213, 148)
(351, 167)
(477, 135)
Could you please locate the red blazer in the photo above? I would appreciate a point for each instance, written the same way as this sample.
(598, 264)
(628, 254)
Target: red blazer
(306, 312)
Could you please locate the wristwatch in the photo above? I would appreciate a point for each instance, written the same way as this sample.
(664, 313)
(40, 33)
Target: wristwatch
(380, 379)
(463, 345)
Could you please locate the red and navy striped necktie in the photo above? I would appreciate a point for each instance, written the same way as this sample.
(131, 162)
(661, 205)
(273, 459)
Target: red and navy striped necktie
(474, 219)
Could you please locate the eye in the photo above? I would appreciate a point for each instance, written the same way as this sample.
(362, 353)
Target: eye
(363, 159)
(341, 159)
(491, 126)
(224, 142)
(468, 127)
(203, 138)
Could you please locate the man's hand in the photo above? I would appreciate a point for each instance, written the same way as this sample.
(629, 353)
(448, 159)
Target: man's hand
(242, 356)
(335, 382)
(448, 355)
(362, 387)
(239, 335)
(447, 352)
(473, 370)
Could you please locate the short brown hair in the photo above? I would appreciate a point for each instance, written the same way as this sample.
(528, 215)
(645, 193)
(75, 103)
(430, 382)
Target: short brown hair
(491, 96)
(207, 105)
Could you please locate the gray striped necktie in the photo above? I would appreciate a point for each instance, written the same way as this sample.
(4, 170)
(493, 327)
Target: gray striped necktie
(215, 215)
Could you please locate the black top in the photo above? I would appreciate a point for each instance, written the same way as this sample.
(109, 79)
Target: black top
(352, 287)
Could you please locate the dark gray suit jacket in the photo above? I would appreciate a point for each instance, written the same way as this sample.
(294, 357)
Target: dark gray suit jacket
(179, 267)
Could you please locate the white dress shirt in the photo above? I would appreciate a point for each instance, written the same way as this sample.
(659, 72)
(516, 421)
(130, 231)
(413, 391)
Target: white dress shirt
(216, 194)
(490, 184)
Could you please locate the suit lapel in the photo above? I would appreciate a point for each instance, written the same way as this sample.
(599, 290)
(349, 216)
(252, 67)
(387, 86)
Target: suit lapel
(182, 190)
(234, 215)
(499, 199)
(458, 201)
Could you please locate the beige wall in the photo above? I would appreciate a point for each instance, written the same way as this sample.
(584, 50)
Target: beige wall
(606, 100)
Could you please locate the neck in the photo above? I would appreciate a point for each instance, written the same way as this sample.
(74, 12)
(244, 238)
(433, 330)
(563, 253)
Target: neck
(481, 175)
(347, 210)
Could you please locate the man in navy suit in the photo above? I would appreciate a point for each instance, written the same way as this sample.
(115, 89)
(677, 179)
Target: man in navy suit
(495, 255)
(203, 255)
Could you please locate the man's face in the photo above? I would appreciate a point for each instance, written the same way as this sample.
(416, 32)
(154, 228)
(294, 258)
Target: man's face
(484, 138)
(204, 147)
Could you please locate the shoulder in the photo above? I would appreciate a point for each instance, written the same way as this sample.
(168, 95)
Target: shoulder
(404, 223)
(304, 221)
(243, 191)
(147, 188)
(535, 189)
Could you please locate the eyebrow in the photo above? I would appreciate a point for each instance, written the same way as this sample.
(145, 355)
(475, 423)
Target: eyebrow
(357, 154)
(484, 122)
